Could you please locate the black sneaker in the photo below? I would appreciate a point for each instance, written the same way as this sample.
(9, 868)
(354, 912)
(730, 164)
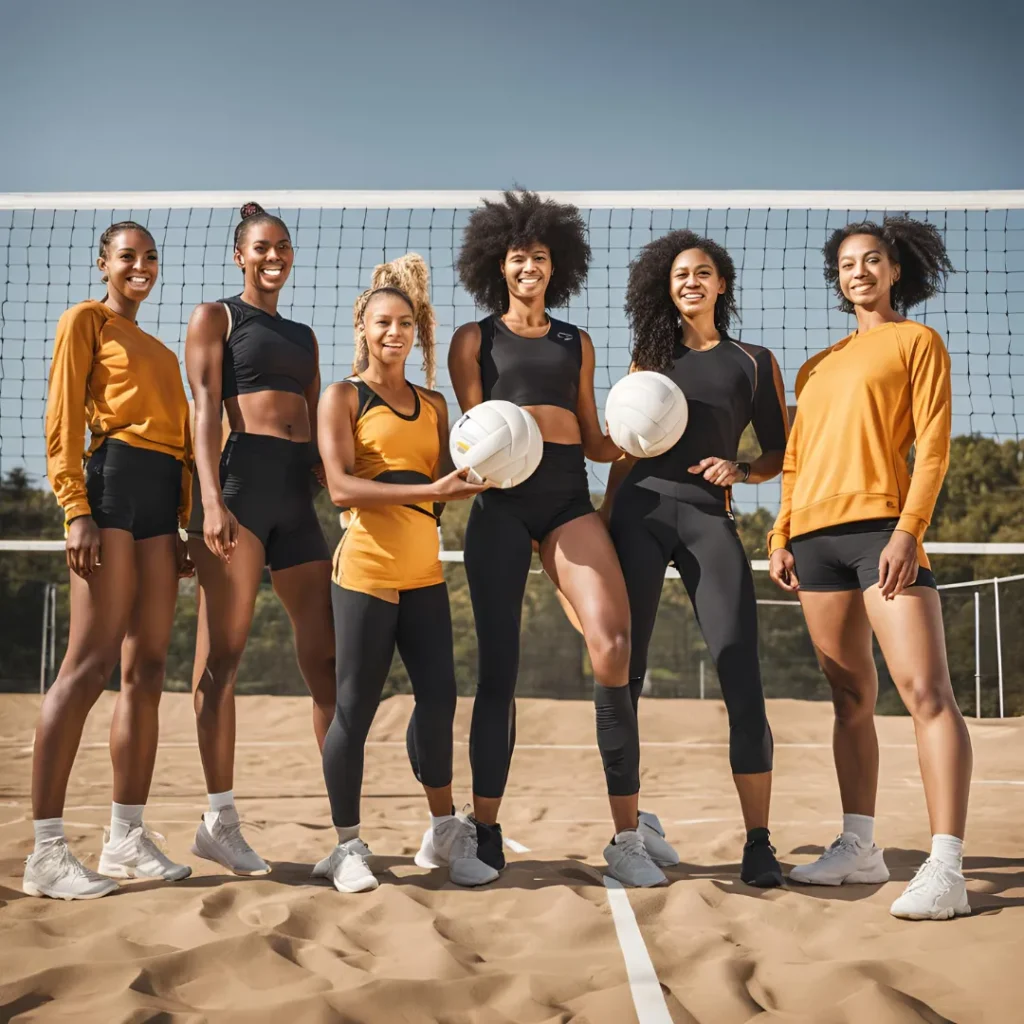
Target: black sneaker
(759, 866)
(489, 846)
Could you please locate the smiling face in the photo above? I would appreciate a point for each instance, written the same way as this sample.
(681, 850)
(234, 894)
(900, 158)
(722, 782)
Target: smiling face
(389, 327)
(695, 283)
(866, 271)
(130, 264)
(265, 255)
(527, 271)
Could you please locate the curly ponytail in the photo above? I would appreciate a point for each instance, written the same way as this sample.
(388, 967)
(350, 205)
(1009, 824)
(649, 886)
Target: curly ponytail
(409, 278)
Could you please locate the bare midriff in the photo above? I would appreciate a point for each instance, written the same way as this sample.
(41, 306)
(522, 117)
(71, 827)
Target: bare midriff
(558, 426)
(275, 413)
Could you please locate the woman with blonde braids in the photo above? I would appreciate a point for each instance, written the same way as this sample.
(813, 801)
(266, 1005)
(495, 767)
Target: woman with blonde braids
(384, 443)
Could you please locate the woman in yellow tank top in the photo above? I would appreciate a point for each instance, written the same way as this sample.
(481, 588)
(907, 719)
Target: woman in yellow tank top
(384, 443)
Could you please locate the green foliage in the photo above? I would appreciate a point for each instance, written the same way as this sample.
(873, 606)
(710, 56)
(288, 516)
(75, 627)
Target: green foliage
(981, 501)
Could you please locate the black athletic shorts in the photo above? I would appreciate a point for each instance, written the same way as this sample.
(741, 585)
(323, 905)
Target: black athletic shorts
(268, 483)
(133, 489)
(845, 557)
(556, 493)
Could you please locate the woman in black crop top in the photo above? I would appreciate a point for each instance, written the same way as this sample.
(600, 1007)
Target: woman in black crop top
(247, 361)
(520, 256)
(675, 507)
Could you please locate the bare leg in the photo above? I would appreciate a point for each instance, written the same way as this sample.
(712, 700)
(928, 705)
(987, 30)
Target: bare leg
(755, 793)
(841, 634)
(305, 592)
(100, 611)
(581, 561)
(227, 595)
(910, 633)
(134, 729)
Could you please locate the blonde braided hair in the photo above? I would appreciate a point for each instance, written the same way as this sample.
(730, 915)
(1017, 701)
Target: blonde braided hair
(409, 277)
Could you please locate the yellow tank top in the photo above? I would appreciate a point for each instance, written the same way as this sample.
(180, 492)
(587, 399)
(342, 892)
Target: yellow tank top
(392, 547)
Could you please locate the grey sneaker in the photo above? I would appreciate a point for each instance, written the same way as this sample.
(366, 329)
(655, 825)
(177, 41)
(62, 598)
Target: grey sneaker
(846, 861)
(346, 866)
(453, 844)
(661, 851)
(55, 871)
(629, 861)
(224, 844)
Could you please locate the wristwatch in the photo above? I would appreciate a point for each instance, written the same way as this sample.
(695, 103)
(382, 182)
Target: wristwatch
(744, 468)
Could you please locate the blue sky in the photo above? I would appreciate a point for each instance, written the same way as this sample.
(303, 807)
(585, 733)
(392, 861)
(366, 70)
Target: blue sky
(556, 94)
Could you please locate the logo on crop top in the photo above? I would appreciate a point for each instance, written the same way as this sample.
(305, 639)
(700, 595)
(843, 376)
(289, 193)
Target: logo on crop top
(563, 336)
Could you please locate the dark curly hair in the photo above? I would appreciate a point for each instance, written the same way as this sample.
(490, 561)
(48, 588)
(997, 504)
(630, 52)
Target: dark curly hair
(253, 214)
(522, 218)
(915, 245)
(652, 313)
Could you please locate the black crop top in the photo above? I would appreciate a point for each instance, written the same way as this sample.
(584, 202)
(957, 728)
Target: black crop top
(726, 388)
(531, 371)
(265, 353)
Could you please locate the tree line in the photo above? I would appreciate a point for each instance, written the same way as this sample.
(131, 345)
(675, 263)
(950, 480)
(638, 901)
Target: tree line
(982, 500)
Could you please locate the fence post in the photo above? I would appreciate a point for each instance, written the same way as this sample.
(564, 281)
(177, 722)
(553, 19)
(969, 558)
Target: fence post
(977, 654)
(999, 648)
(701, 678)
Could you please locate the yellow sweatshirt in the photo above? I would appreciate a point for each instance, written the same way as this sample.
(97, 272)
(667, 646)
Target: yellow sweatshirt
(124, 383)
(861, 405)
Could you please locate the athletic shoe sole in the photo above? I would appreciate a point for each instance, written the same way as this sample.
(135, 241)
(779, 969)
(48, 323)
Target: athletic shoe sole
(856, 878)
(366, 886)
(768, 880)
(198, 852)
(34, 890)
(942, 915)
(123, 872)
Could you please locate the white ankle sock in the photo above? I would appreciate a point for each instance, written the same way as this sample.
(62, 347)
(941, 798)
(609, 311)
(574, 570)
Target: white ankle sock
(948, 850)
(862, 826)
(346, 832)
(123, 818)
(47, 829)
(220, 801)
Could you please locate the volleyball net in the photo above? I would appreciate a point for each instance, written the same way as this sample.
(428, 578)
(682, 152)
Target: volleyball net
(47, 263)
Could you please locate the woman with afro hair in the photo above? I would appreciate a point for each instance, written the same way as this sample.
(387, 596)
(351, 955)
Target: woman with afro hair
(848, 541)
(520, 256)
(675, 507)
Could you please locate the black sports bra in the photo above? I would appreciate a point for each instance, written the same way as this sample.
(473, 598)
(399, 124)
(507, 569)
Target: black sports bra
(531, 371)
(265, 353)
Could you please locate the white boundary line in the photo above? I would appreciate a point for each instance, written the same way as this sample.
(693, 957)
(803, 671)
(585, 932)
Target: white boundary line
(463, 199)
(514, 846)
(648, 999)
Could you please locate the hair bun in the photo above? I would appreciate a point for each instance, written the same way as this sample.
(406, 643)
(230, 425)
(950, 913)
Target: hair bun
(251, 210)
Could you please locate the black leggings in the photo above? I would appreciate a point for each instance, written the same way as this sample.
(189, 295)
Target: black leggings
(366, 631)
(651, 530)
(498, 547)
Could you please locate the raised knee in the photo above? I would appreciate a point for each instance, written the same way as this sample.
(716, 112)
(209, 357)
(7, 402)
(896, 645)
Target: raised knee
(609, 653)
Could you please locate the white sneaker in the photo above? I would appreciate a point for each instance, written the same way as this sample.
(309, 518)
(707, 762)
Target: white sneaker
(346, 866)
(55, 871)
(139, 855)
(935, 893)
(846, 861)
(661, 851)
(629, 861)
(453, 844)
(224, 844)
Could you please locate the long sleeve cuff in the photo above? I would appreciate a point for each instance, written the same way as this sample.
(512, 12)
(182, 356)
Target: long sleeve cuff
(912, 524)
(79, 507)
(776, 542)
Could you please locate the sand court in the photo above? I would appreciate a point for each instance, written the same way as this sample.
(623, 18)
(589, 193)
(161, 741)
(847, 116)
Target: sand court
(548, 942)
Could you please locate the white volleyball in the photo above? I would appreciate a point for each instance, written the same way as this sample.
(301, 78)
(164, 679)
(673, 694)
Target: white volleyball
(646, 413)
(499, 441)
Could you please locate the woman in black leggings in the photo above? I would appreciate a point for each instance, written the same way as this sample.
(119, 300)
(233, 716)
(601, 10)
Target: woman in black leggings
(519, 257)
(385, 448)
(675, 507)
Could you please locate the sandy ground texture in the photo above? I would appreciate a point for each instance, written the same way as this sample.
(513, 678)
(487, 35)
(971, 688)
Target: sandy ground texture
(541, 944)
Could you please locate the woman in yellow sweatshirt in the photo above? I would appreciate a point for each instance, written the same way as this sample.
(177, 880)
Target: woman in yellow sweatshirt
(124, 498)
(848, 540)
